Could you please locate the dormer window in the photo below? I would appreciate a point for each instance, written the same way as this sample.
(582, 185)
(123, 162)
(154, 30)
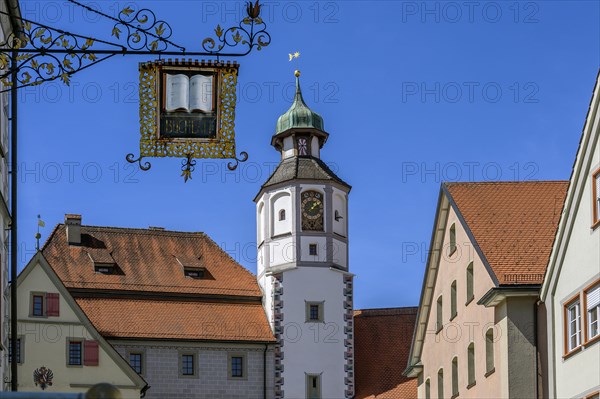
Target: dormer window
(103, 261)
(104, 268)
(197, 274)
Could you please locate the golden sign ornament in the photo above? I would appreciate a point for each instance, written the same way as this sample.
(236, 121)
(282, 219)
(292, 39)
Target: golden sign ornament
(187, 110)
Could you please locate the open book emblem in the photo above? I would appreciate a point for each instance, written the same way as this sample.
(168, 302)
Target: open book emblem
(189, 93)
(187, 109)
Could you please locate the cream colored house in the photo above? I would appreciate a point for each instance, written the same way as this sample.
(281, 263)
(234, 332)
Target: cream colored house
(59, 349)
(570, 294)
(475, 331)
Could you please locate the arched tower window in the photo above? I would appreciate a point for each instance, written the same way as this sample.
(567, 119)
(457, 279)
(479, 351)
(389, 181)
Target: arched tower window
(282, 215)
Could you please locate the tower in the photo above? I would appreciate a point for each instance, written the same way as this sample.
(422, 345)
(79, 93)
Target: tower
(302, 236)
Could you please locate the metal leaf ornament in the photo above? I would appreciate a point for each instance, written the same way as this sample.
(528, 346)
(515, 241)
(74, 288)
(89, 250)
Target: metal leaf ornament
(253, 10)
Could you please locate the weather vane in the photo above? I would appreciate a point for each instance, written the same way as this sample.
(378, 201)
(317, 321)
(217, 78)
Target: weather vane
(40, 223)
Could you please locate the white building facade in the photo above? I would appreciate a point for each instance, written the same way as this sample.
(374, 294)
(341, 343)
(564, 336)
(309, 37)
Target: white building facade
(302, 235)
(570, 294)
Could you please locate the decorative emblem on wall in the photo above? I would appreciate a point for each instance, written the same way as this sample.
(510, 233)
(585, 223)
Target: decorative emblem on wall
(43, 377)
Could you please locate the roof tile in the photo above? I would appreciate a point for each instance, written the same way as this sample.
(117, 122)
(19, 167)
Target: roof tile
(382, 339)
(514, 224)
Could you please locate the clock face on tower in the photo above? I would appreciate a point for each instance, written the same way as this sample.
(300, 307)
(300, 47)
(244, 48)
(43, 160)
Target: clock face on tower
(312, 211)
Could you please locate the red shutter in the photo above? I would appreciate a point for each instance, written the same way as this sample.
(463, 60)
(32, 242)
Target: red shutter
(52, 305)
(90, 353)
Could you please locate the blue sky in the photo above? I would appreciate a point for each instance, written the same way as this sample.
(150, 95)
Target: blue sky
(412, 94)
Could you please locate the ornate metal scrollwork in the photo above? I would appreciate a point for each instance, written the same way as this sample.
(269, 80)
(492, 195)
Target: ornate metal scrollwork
(250, 32)
(132, 159)
(36, 65)
(243, 158)
(188, 165)
(144, 30)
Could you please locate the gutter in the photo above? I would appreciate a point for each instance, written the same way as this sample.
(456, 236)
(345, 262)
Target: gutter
(143, 391)
(497, 294)
(265, 372)
(535, 344)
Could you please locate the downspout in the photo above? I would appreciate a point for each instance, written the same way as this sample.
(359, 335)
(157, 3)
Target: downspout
(265, 371)
(535, 344)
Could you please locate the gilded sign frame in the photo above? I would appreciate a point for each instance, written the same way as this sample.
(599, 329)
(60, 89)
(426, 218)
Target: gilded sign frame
(222, 147)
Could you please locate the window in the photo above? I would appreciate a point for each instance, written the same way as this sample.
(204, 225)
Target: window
(440, 387)
(428, 389)
(75, 353)
(187, 364)
(573, 325)
(312, 249)
(439, 314)
(592, 301)
(314, 312)
(337, 216)
(282, 215)
(37, 305)
(313, 386)
(453, 311)
(455, 377)
(193, 273)
(135, 361)
(104, 269)
(596, 198)
(44, 304)
(489, 352)
(452, 246)
(470, 294)
(19, 350)
(237, 366)
(471, 364)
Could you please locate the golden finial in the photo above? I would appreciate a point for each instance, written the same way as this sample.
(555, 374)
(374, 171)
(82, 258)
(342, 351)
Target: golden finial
(297, 73)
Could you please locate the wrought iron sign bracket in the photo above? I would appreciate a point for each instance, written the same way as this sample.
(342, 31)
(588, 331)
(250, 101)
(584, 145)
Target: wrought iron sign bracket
(37, 53)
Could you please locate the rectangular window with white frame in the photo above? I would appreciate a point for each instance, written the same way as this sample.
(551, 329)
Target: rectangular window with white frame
(592, 316)
(573, 325)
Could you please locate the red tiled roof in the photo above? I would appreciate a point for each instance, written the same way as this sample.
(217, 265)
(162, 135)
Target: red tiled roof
(185, 320)
(382, 339)
(513, 223)
(148, 262)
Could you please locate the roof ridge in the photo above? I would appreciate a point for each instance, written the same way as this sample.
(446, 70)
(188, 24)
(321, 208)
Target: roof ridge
(504, 182)
(141, 229)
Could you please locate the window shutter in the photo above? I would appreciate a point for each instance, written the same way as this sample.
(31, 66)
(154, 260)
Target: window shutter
(90, 353)
(593, 297)
(52, 305)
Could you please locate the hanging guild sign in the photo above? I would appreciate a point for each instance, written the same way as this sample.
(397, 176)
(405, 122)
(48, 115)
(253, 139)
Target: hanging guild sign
(187, 110)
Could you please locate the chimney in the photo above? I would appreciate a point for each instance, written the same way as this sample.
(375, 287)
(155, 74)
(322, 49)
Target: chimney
(73, 225)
